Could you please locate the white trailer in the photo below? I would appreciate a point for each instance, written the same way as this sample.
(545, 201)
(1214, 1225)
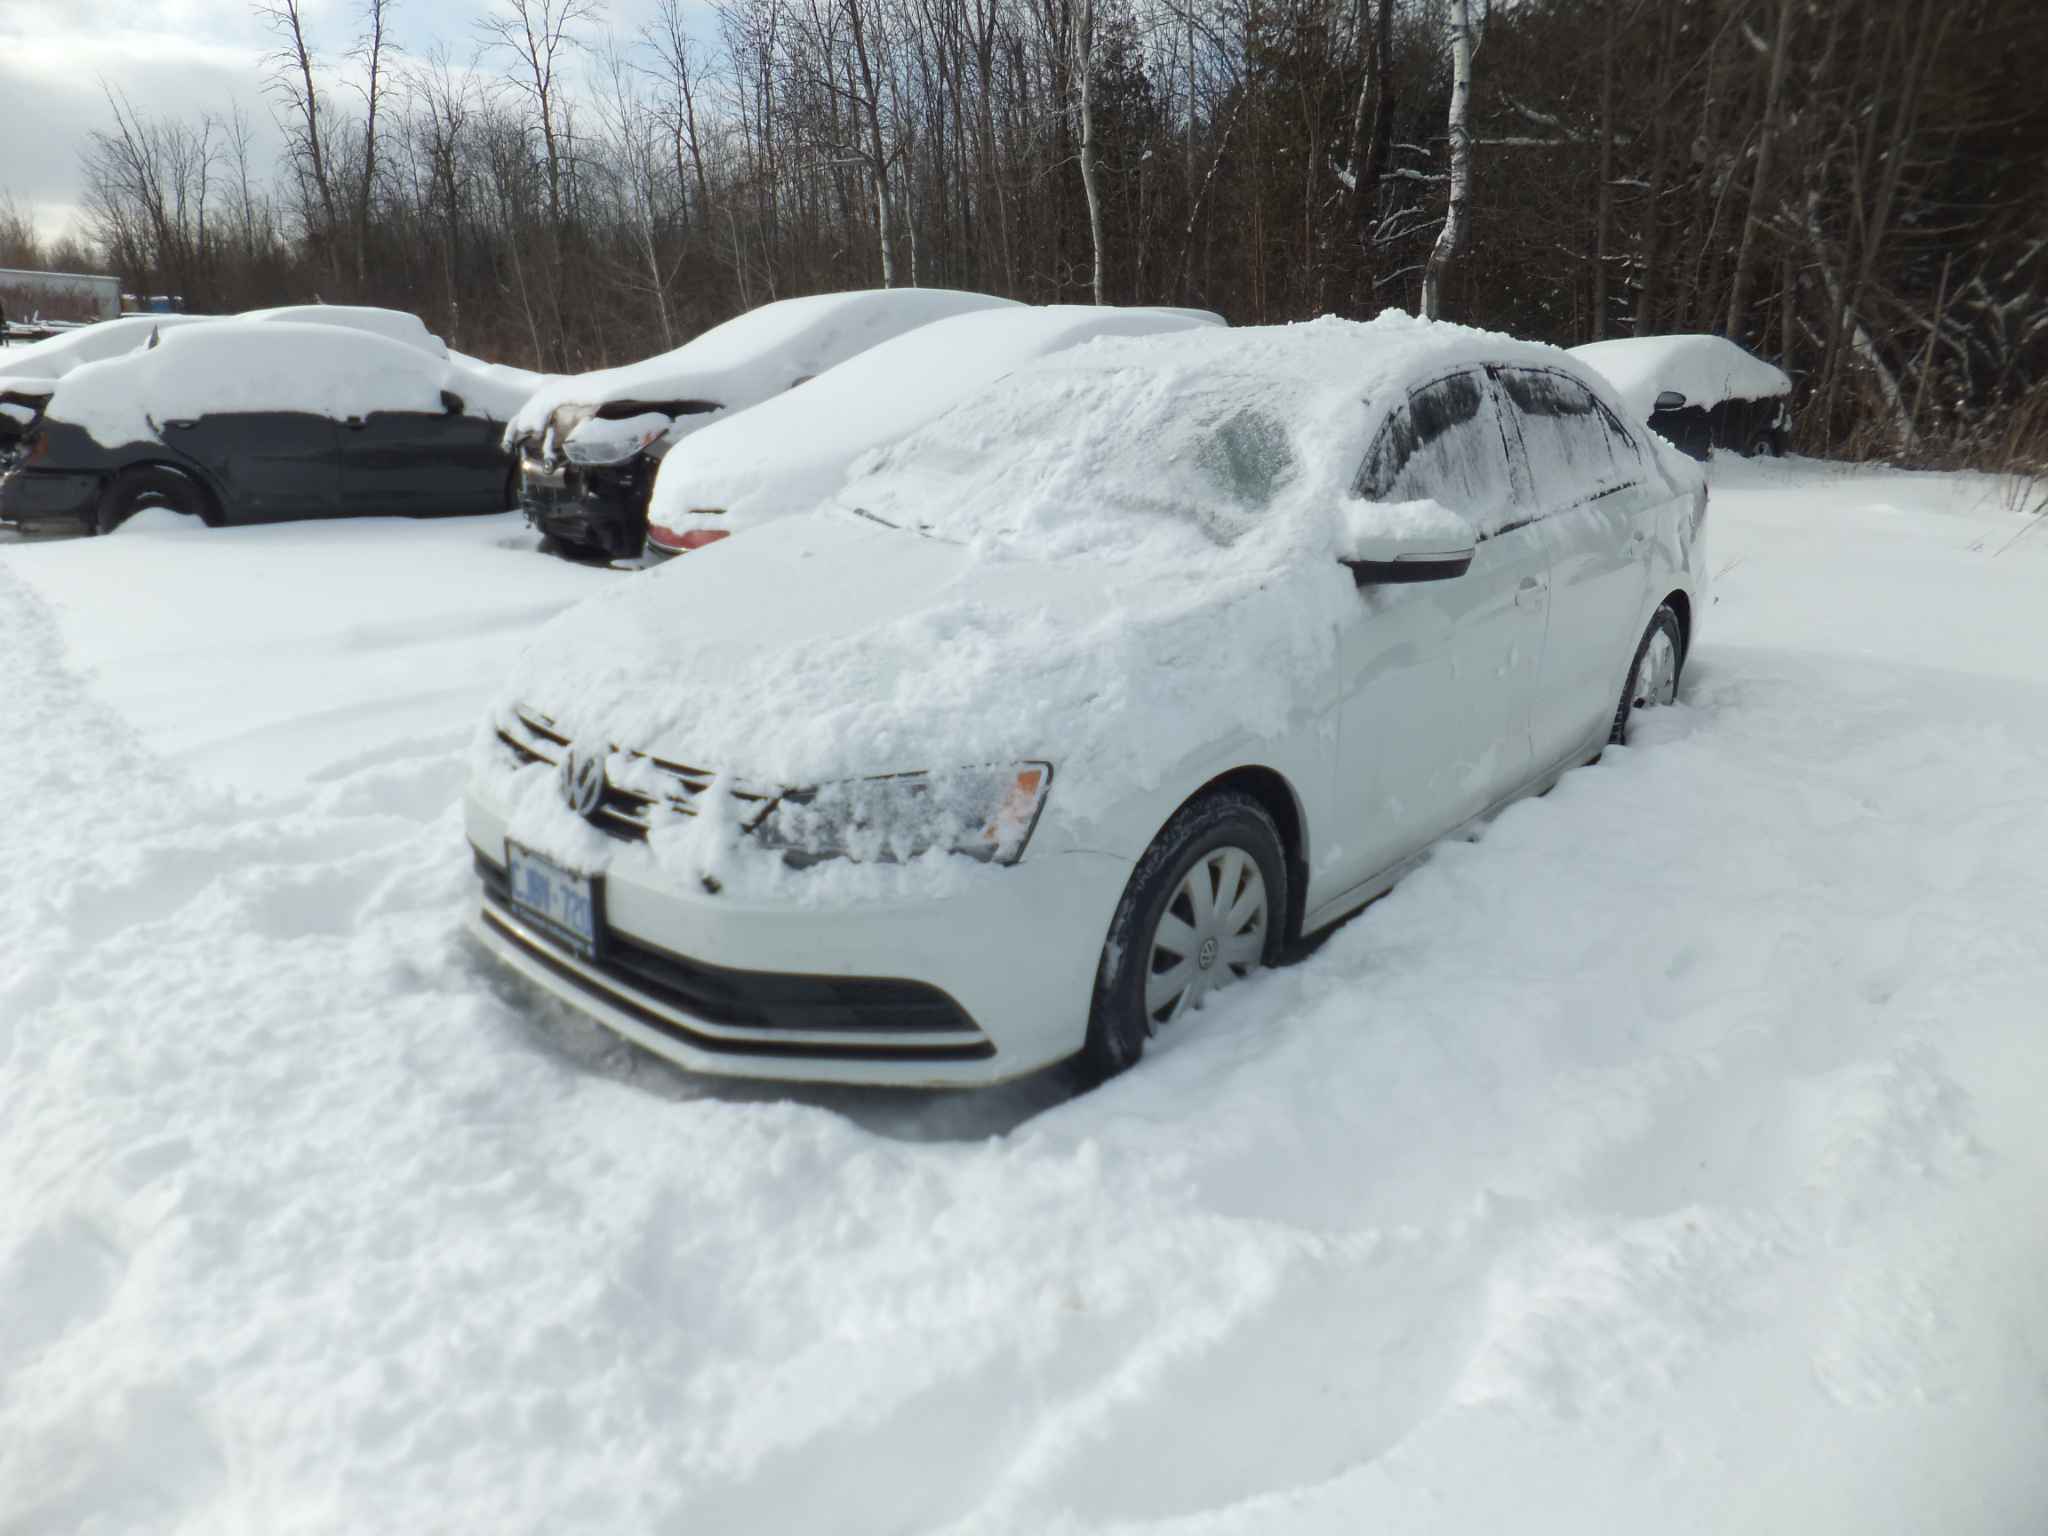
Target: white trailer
(27, 297)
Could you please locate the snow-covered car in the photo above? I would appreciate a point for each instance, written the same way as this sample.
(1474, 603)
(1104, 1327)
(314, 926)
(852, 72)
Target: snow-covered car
(788, 454)
(28, 374)
(1082, 701)
(589, 444)
(1698, 392)
(241, 421)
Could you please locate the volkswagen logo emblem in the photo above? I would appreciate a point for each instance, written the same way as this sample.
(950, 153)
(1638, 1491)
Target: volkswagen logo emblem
(583, 781)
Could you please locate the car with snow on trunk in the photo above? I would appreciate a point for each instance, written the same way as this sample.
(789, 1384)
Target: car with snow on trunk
(589, 445)
(29, 374)
(1699, 393)
(790, 453)
(259, 420)
(1087, 698)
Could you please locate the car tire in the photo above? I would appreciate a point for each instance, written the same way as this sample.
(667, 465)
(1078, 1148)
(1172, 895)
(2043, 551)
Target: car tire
(149, 485)
(1767, 444)
(1224, 841)
(1653, 675)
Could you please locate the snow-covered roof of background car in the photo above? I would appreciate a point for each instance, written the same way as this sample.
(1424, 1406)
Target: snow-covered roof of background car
(392, 324)
(756, 354)
(253, 366)
(793, 449)
(1705, 369)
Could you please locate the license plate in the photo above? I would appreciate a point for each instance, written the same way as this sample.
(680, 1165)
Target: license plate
(559, 901)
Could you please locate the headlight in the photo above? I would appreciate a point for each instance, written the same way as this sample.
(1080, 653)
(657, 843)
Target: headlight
(985, 813)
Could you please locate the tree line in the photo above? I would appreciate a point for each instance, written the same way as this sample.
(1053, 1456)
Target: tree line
(1856, 189)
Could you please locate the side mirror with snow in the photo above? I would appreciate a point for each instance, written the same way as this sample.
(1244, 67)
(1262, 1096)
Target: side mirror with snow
(1670, 400)
(452, 403)
(1384, 543)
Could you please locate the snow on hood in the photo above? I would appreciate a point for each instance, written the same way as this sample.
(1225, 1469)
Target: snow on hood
(747, 359)
(791, 452)
(41, 361)
(238, 365)
(1126, 563)
(1705, 369)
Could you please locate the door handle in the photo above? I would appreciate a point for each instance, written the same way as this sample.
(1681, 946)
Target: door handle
(183, 423)
(1529, 592)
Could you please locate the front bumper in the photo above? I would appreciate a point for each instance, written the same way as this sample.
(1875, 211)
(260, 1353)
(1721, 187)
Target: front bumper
(597, 508)
(987, 983)
(37, 497)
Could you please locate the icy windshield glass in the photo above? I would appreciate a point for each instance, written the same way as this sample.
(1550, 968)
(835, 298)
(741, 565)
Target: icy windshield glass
(1065, 461)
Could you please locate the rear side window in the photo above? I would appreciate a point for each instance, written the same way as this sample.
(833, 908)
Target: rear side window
(1576, 448)
(1443, 445)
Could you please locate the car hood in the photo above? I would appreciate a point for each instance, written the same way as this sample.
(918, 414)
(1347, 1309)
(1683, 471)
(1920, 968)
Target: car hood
(830, 646)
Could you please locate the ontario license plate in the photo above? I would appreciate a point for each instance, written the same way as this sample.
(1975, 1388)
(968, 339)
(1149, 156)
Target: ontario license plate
(559, 901)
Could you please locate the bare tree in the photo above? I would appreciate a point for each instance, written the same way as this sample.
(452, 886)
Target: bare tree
(1451, 239)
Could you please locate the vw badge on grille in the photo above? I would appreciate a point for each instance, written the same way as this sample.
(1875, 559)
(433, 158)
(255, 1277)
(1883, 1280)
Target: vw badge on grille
(583, 781)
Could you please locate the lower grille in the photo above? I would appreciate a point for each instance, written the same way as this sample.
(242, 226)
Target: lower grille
(765, 1003)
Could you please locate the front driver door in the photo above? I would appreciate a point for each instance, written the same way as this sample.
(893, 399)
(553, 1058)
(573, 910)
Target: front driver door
(272, 465)
(1438, 675)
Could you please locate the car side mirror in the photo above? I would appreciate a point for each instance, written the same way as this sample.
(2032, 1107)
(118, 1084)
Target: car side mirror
(452, 403)
(1670, 400)
(1384, 543)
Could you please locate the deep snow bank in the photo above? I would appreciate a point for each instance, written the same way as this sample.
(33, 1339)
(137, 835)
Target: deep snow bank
(1669, 1160)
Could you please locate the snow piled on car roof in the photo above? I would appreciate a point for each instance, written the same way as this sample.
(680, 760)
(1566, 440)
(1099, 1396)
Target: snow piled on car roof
(754, 355)
(791, 452)
(52, 358)
(242, 365)
(1068, 606)
(392, 324)
(1705, 369)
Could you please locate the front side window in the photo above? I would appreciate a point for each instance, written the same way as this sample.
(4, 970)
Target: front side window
(1576, 448)
(1444, 445)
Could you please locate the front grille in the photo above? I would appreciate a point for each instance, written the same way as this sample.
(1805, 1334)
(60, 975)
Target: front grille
(626, 811)
(766, 1004)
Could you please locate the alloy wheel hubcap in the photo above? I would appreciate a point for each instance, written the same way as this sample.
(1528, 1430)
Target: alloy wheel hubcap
(1657, 676)
(1212, 932)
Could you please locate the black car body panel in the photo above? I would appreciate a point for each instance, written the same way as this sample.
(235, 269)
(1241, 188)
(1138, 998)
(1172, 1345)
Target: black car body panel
(275, 466)
(1735, 425)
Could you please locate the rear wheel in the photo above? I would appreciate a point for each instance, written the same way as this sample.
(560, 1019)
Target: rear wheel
(1653, 677)
(150, 485)
(1204, 908)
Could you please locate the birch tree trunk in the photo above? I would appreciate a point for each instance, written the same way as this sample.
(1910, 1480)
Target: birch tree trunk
(1084, 65)
(1451, 238)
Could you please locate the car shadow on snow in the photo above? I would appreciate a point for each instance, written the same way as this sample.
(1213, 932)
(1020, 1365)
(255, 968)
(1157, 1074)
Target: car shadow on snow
(901, 1114)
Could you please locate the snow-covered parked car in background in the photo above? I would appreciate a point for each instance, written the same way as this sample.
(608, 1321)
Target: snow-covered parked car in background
(252, 420)
(589, 444)
(1698, 392)
(1081, 701)
(29, 374)
(788, 454)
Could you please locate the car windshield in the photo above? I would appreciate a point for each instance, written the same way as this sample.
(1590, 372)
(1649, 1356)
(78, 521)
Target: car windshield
(1069, 461)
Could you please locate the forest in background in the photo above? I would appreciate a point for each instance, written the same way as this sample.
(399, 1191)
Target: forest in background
(1855, 189)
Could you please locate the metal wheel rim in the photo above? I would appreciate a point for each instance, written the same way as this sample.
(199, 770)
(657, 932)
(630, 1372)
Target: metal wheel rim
(1657, 674)
(1211, 933)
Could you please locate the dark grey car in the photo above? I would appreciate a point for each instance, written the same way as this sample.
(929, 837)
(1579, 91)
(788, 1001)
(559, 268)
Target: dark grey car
(361, 425)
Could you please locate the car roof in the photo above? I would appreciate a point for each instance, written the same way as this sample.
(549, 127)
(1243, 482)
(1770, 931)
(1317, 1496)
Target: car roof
(759, 353)
(1705, 369)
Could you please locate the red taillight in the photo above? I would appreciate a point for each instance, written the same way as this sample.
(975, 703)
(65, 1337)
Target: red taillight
(682, 543)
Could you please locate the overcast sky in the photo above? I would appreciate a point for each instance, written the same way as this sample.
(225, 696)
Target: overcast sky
(172, 57)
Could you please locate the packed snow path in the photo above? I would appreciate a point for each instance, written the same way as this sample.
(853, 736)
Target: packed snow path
(1672, 1159)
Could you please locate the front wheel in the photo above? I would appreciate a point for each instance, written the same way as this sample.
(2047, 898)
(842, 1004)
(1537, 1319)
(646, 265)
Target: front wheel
(1653, 676)
(1205, 907)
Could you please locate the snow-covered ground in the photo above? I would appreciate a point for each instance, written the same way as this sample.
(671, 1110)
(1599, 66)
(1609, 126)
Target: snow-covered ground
(1672, 1159)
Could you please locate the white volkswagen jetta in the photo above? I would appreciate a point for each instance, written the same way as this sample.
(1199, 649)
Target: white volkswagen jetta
(1081, 701)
